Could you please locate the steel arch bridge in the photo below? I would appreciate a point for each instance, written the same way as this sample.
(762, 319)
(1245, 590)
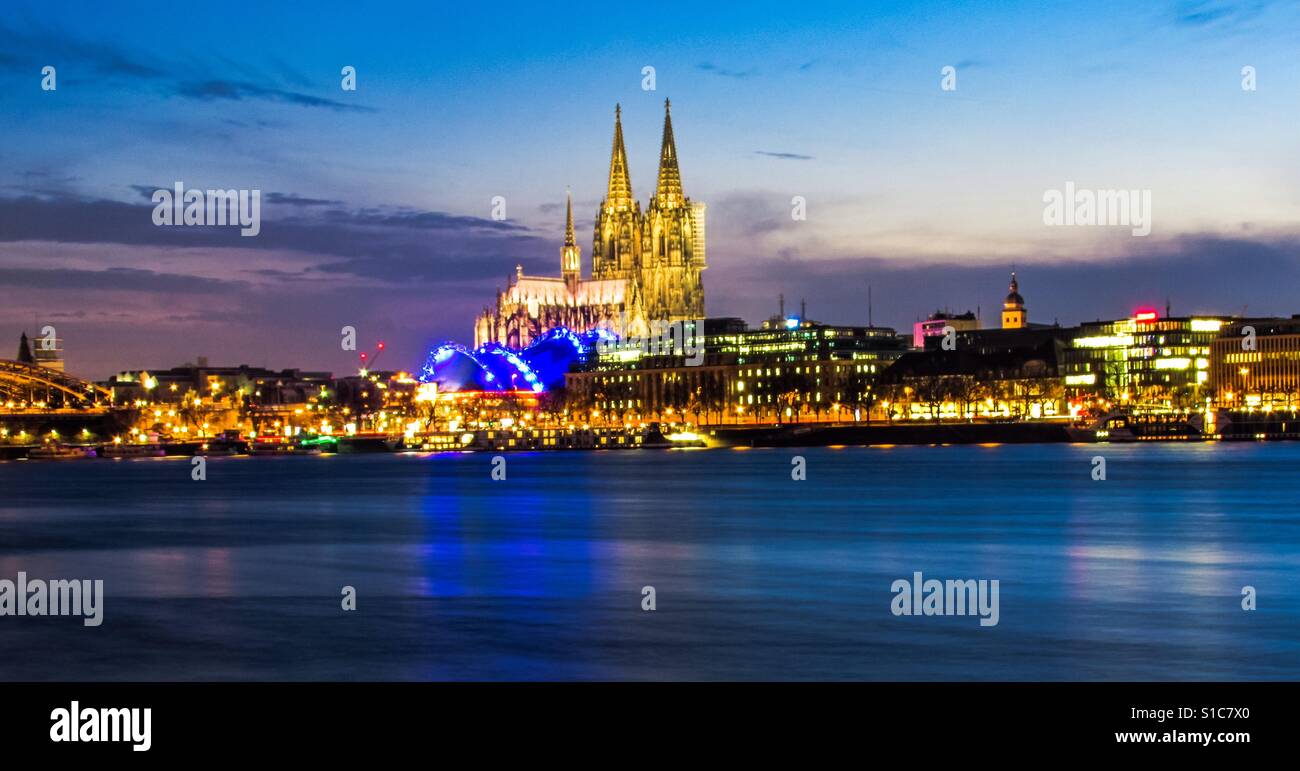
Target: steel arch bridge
(31, 383)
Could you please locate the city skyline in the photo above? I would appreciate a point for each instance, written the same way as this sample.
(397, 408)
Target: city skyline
(377, 202)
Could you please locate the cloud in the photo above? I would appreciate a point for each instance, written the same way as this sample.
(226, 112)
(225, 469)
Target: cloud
(292, 199)
(401, 245)
(111, 279)
(26, 50)
(284, 199)
(784, 156)
(191, 79)
(724, 72)
(1208, 13)
(742, 216)
(1197, 273)
(552, 208)
(406, 217)
(235, 90)
(23, 51)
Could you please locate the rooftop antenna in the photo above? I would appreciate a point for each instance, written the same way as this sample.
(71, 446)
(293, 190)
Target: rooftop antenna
(781, 300)
(803, 309)
(1167, 314)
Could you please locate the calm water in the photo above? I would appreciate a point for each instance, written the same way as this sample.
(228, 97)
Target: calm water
(757, 576)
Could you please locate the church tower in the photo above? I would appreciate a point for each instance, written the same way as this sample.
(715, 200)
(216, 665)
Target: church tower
(25, 351)
(671, 262)
(1014, 315)
(616, 248)
(570, 254)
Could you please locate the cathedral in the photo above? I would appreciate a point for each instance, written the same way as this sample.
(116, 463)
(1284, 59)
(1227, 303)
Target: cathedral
(645, 265)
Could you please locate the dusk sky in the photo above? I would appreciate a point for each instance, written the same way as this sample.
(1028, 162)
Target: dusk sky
(377, 202)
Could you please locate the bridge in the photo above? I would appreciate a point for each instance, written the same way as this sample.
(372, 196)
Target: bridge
(30, 386)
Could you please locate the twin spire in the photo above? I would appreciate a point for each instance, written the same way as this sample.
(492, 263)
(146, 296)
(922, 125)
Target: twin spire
(669, 189)
(619, 195)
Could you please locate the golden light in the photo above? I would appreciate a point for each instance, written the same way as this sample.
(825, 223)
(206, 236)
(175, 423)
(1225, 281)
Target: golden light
(426, 392)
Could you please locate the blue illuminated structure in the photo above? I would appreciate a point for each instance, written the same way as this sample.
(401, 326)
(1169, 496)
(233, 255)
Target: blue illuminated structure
(493, 367)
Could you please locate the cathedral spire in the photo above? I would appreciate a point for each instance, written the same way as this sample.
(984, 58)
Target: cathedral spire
(569, 239)
(669, 191)
(619, 195)
(570, 255)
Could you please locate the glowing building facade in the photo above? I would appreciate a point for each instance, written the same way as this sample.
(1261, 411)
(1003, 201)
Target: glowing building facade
(1255, 363)
(1142, 362)
(645, 266)
(792, 370)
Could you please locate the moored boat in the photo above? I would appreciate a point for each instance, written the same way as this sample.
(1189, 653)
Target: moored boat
(60, 452)
(221, 447)
(133, 450)
(273, 447)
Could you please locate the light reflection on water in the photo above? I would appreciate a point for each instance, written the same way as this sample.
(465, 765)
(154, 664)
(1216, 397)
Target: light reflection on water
(757, 576)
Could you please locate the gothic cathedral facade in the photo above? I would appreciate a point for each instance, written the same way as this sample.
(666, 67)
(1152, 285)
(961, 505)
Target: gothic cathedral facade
(646, 267)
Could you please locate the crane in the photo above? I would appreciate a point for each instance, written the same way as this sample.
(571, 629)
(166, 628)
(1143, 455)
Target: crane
(368, 360)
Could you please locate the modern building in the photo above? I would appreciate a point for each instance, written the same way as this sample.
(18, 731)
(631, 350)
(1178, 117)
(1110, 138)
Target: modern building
(645, 267)
(1145, 362)
(1255, 363)
(939, 322)
(785, 371)
(793, 340)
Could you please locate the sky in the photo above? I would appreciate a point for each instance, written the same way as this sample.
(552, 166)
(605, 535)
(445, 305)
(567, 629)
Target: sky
(377, 202)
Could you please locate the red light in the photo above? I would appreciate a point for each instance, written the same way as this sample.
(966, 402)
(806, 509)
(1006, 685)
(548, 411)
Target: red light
(363, 357)
(381, 346)
(1145, 315)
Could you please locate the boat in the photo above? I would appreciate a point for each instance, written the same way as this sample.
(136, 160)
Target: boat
(1119, 426)
(275, 447)
(656, 439)
(1096, 433)
(315, 444)
(221, 447)
(369, 443)
(61, 452)
(133, 450)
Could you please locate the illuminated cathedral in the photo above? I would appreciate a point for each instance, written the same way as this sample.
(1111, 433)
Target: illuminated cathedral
(645, 266)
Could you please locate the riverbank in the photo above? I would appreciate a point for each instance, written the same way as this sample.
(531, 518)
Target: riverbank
(818, 435)
(1159, 428)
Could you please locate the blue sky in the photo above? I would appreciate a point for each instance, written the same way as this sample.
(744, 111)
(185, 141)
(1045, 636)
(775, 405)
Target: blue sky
(382, 195)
